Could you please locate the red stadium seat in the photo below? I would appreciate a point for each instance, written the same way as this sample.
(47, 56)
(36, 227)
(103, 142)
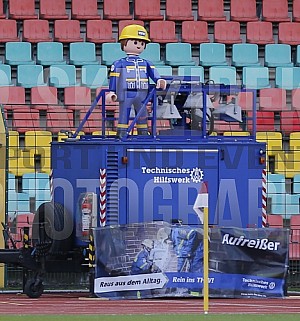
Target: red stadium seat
(289, 33)
(2, 15)
(264, 121)
(59, 118)
(259, 32)
(296, 11)
(124, 23)
(53, 10)
(85, 10)
(163, 31)
(12, 95)
(195, 32)
(275, 10)
(8, 30)
(22, 9)
(290, 121)
(25, 119)
(99, 31)
(116, 10)
(243, 10)
(294, 251)
(212, 10)
(274, 220)
(35, 31)
(67, 31)
(147, 10)
(272, 99)
(296, 99)
(43, 95)
(77, 96)
(228, 32)
(245, 100)
(295, 228)
(179, 10)
(94, 123)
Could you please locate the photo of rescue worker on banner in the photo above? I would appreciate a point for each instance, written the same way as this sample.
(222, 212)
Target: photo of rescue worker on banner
(160, 259)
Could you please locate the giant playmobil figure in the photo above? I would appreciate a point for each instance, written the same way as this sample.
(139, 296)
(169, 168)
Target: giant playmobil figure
(129, 78)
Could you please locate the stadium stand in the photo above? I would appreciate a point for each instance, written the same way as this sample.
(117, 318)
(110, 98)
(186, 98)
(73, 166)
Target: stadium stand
(275, 221)
(152, 53)
(82, 53)
(12, 95)
(287, 77)
(2, 15)
(52, 10)
(228, 32)
(296, 11)
(195, 32)
(50, 53)
(84, 10)
(288, 33)
(43, 95)
(147, 10)
(212, 54)
(275, 10)
(36, 31)
(211, 10)
(18, 53)
(67, 31)
(259, 32)
(179, 10)
(8, 30)
(256, 77)
(111, 52)
(22, 9)
(77, 96)
(61, 76)
(29, 76)
(223, 75)
(278, 55)
(245, 54)
(5, 75)
(116, 10)
(163, 31)
(94, 76)
(243, 10)
(272, 99)
(99, 31)
(179, 54)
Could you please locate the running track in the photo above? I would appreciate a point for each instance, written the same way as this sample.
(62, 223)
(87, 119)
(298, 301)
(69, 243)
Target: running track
(82, 304)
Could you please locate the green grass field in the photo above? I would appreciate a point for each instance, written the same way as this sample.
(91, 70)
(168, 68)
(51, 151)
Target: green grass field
(156, 317)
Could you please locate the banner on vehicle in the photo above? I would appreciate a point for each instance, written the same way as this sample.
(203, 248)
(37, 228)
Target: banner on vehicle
(158, 259)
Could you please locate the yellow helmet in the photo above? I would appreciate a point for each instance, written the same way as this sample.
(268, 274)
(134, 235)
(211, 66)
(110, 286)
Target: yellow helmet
(134, 32)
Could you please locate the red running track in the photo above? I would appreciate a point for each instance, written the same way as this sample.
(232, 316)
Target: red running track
(82, 304)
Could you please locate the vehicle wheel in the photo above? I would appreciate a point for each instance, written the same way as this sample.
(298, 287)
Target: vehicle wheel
(52, 229)
(33, 290)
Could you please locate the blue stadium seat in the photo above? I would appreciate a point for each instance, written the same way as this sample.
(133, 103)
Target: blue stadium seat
(297, 62)
(5, 75)
(278, 55)
(111, 52)
(29, 76)
(223, 75)
(245, 54)
(94, 76)
(296, 184)
(17, 202)
(152, 53)
(256, 77)
(287, 77)
(50, 53)
(179, 54)
(18, 53)
(213, 54)
(191, 71)
(164, 71)
(82, 53)
(61, 76)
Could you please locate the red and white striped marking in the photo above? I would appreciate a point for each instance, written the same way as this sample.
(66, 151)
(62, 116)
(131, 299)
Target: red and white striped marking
(264, 198)
(51, 184)
(201, 201)
(102, 196)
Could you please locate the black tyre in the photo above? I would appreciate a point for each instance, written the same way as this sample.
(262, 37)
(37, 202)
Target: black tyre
(33, 289)
(52, 229)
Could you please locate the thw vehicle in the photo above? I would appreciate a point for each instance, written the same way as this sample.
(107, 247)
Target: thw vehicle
(102, 180)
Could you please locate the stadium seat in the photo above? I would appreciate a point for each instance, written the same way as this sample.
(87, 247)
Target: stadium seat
(197, 71)
(264, 121)
(50, 53)
(290, 121)
(82, 53)
(294, 251)
(295, 103)
(77, 96)
(275, 10)
(245, 100)
(5, 75)
(111, 52)
(243, 10)
(2, 14)
(296, 11)
(116, 10)
(59, 118)
(296, 179)
(256, 77)
(43, 95)
(52, 10)
(287, 77)
(12, 95)
(35, 31)
(164, 71)
(295, 227)
(259, 32)
(99, 31)
(228, 32)
(245, 54)
(123, 23)
(18, 53)
(67, 31)
(162, 31)
(25, 119)
(29, 76)
(84, 10)
(94, 76)
(152, 53)
(195, 32)
(61, 76)
(94, 122)
(213, 54)
(179, 54)
(289, 33)
(272, 99)
(179, 10)
(147, 10)
(8, 30)
(223, 75)
(211, 10)
(278, 55)
(274, 221)
(22, 9)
